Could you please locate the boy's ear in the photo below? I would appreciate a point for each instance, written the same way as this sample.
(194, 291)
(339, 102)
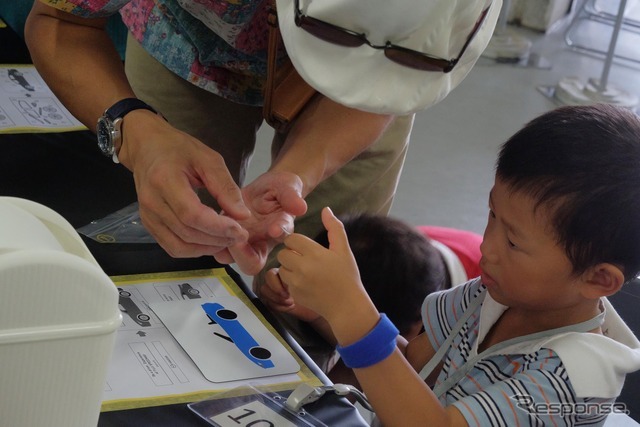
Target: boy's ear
(602, 280)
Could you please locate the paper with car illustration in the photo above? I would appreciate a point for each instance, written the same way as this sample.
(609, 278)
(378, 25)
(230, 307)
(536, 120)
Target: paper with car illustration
(28, 105)
(225, 339)
(189, 357)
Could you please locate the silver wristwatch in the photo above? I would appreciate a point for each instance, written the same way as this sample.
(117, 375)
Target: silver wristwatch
(109, 127)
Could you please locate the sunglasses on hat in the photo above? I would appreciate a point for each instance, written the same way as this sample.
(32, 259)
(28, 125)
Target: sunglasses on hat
(404, 56)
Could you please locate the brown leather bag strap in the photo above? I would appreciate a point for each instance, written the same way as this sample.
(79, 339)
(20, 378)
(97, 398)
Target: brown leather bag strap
(272, 61)
(285, 93)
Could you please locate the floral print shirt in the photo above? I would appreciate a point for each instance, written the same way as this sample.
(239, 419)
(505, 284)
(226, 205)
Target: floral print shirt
(218, 45)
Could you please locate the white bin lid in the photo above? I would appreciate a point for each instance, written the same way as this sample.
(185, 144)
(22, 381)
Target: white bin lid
(49, 281)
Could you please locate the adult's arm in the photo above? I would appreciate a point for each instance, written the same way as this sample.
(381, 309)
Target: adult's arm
(76, 57)
(325, 137)
(78, 61)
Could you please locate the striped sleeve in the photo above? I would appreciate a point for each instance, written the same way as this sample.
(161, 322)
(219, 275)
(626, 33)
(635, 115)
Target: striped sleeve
(535, 397)
(441, 310)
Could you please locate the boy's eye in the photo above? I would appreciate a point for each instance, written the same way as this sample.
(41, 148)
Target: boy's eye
(511, 244)
(491, 214)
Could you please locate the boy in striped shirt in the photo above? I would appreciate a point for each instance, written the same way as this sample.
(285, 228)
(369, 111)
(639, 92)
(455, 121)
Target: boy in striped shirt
(534, 340)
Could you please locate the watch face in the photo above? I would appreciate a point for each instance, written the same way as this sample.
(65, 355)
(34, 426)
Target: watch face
(103, 132)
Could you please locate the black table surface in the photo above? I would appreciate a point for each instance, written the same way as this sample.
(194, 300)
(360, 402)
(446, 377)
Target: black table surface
(12, 47)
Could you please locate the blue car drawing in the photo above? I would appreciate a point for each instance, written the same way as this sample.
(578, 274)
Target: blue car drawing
(227, 319)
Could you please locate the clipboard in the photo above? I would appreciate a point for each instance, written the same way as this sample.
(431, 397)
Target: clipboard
(149, 367)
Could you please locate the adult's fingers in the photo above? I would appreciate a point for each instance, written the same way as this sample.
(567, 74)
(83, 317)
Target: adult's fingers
(186, 210)
(223, 256)
(219, 183)
(180, 239)
(178, 248)
(291, 201)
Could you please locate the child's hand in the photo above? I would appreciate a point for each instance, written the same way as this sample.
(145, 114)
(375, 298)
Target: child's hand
(276, 296)
(324, 280)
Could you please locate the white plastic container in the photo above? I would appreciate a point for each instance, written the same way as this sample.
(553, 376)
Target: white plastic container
(58, 319)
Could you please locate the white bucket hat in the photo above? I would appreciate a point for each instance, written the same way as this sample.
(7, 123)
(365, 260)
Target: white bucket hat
(363, 77)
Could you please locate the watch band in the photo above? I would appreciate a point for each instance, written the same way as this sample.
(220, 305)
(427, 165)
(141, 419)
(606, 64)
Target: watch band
(114, 115)
(124, 106)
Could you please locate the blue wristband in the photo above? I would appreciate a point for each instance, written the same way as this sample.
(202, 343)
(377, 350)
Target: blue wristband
(374, 347)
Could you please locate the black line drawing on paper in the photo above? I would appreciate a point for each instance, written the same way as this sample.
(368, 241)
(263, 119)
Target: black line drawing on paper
(41, 111)
(18, 78)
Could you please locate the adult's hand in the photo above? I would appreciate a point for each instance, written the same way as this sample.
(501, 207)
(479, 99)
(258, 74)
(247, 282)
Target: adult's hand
(168, 165)
(274, 199)
(77, 59)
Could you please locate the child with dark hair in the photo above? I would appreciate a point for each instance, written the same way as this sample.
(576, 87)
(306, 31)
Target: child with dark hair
(534, 340)
(399, 266)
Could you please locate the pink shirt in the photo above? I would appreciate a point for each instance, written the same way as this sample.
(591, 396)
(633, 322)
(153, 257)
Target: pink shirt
(465, 244)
